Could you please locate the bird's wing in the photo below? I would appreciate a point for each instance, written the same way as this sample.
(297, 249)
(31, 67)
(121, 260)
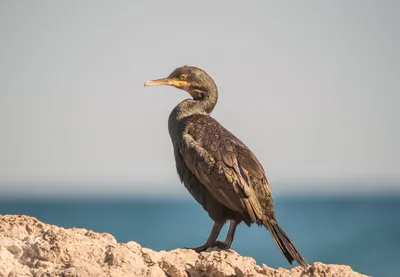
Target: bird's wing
(225, 166)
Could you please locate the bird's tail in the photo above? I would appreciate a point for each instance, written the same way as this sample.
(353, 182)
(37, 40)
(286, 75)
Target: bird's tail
(285, 244)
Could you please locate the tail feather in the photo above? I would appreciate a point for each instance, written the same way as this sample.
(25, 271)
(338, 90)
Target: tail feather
(285, 245)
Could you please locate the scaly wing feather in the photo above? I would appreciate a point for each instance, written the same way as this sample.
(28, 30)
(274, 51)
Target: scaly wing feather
(226, 167)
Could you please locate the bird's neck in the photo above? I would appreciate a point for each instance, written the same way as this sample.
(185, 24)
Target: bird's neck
(203, 105)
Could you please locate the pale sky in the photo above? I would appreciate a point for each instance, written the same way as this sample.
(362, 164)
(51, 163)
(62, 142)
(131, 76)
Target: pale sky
(311, 87)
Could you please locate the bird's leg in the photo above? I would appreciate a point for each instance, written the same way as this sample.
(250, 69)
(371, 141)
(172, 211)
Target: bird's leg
(211, 239)
(229, 237)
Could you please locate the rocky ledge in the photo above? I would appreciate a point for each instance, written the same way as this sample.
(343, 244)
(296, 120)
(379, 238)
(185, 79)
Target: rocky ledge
(29, 247)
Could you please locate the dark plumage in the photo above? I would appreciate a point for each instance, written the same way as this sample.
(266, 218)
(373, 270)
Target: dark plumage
(219, 171)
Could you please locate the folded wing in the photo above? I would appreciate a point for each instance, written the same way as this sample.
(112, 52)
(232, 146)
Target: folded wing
(227, 168)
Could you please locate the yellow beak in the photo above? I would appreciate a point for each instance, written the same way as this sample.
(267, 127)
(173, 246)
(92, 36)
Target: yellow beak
(165, 82)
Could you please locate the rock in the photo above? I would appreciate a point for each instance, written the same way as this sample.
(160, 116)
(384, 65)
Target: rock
(29, 247)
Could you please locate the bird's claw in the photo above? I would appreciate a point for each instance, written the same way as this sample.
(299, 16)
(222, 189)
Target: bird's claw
(220, 244)
(200, 248)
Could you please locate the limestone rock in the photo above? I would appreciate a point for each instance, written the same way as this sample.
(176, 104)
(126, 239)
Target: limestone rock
(31, 248)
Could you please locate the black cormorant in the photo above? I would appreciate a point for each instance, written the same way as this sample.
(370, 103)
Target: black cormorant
(219, 171)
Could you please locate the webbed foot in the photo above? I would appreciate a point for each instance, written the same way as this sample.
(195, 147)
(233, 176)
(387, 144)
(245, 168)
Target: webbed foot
(202, 248)
(223, 245)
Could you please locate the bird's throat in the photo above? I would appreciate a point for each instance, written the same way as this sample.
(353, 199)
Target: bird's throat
(203, 106)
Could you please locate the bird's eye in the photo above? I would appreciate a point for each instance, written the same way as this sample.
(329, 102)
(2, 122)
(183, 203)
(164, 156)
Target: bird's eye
(182, 77)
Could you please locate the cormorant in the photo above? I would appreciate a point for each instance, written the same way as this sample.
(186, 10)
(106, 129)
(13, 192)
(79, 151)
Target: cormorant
(219, 171)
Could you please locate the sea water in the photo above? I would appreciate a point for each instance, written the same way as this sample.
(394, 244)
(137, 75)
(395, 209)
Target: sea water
(363, 232)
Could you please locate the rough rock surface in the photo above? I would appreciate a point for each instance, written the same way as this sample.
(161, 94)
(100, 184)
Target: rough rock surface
(29, 247)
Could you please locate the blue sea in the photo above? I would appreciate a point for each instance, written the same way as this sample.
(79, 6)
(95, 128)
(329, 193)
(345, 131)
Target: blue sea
(363, 232)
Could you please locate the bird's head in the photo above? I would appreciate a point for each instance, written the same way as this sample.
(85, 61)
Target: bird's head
(189, 78)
